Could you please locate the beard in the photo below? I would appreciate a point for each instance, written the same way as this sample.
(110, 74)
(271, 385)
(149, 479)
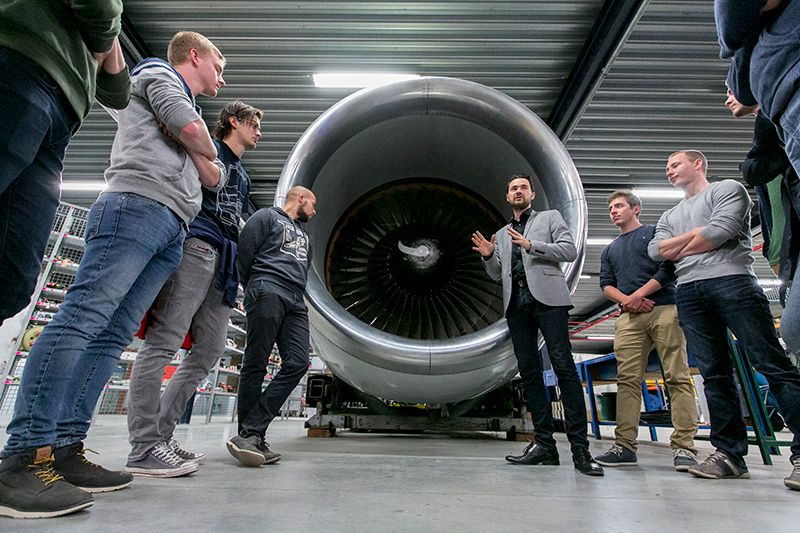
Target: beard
(302, 216)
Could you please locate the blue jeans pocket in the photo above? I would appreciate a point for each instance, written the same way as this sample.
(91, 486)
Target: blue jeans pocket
(94, 219)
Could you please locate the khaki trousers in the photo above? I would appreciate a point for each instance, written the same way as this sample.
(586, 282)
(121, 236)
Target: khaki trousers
(635, 336)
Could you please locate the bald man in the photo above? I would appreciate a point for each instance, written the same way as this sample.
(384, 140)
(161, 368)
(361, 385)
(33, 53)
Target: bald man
(274, 252)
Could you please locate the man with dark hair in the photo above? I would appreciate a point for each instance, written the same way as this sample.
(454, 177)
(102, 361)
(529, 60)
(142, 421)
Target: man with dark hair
(274, 254)
(55, 57)
(161, 158)
(645, 291)
(525, 255)
(707, 237)
(198, 298)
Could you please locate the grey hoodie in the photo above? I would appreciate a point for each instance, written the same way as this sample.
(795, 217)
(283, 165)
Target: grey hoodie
(144, 161)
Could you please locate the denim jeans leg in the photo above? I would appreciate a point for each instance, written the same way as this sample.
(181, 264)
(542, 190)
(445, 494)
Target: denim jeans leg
(33, 140)
(63, 361)
(745, 308)
(706, 339)
(209, 330)
(525, 338)
(171, 318)
(265, 308)
(790, 320)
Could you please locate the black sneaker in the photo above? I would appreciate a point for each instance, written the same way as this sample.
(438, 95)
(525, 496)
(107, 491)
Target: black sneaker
(719, 466)
(270, 457)
(71, 464)
(30, 488)
(245, 450)
(617, 456)
(198, 458)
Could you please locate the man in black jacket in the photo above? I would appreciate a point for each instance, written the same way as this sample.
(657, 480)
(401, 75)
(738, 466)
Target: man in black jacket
(274, 252)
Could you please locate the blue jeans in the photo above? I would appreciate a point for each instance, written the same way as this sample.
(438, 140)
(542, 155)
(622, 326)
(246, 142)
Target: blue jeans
(36, 124)
(133, 244)
(705, 309)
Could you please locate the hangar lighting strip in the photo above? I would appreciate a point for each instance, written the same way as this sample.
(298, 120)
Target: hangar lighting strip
(359, 79)
(83, 185)
(662, 194)
(599, 241)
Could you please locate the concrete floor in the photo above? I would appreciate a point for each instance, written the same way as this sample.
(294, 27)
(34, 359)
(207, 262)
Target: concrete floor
(382, 483)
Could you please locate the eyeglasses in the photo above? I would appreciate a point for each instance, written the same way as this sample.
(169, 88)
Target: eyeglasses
(253, 123)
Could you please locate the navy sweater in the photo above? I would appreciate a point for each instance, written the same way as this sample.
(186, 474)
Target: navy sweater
(625, 265)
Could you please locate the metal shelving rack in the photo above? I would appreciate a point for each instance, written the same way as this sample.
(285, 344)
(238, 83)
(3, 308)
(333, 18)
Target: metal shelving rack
(62, 256)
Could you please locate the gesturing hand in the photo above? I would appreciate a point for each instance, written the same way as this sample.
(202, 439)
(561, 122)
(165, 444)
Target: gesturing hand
(486, 248)
(517, 238)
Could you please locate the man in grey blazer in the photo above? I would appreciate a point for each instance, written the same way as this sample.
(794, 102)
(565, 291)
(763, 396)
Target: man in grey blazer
(526, 256)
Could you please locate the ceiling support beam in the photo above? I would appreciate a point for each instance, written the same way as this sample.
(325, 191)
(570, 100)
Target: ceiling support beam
(614, 24)
(133, 46)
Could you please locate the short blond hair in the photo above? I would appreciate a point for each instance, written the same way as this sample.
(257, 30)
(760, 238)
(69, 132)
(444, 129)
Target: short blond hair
(183, 43)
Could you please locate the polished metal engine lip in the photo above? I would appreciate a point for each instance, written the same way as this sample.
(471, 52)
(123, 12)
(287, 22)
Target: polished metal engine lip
(467, 365)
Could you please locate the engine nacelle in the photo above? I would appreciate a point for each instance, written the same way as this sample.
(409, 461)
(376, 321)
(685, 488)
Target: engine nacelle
(399, 305)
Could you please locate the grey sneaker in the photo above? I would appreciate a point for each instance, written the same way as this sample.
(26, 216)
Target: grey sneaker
(793, 481)
(719, 466)
(161, 461)
(683, 459)
(198, 458)
(617, 456)
(245, 450)
(270, 457)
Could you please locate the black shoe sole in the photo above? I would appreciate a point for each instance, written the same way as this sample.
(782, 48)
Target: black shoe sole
(547, 462)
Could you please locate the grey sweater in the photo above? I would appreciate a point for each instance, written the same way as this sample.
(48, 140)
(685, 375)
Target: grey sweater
(275, 248)
(724, 209)
(144, 161)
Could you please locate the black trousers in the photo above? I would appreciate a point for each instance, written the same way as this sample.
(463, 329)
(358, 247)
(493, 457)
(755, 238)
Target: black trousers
(273, 314)
(526, 317)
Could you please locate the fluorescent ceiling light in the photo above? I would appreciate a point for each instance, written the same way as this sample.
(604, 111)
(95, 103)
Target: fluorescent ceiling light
(83, 185)
(583, 276)
(600, 338)
(599, 241)
(359, 79)
(659, 193)
(769, 282)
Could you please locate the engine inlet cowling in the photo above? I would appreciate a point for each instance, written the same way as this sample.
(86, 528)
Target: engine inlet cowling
(399, 304)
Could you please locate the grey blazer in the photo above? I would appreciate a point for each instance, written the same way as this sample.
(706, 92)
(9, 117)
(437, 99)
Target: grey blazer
(551, 243)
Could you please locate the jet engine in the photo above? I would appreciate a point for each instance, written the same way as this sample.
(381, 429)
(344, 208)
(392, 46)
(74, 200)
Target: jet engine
(400, 306)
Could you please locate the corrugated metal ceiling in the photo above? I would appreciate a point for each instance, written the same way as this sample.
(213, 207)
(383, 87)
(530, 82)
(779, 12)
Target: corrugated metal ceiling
(664, 92)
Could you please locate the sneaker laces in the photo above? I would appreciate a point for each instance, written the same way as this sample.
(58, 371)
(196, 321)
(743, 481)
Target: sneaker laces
(180, 452)
(164, 453)
(617, 450)
(82, 453)
(713, 458)
(46, 472)
(683, 452)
